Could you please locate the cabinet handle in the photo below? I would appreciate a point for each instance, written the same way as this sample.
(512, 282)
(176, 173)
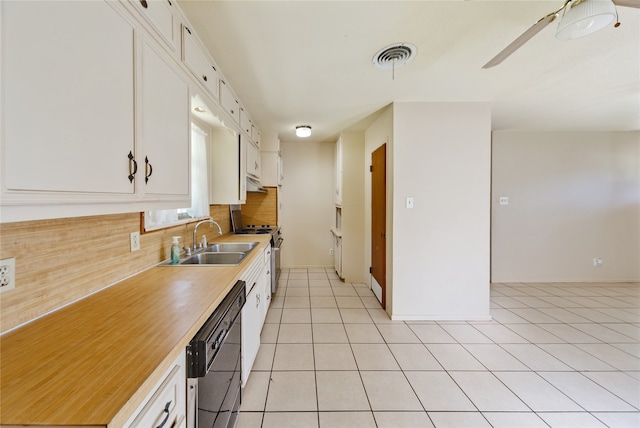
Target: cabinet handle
(148, 169)
(233, 112)
(204, 77)
(144, 3)
(133, 166)
(166, 418)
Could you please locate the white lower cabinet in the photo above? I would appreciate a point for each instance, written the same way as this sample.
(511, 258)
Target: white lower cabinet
(258, 280)
(337, 254)
(250, 330)
(166, 405)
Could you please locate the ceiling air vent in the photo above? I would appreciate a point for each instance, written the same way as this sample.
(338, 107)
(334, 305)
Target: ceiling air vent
(394, 56)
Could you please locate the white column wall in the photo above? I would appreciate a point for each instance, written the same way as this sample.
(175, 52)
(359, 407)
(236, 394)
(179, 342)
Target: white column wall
(441, 247)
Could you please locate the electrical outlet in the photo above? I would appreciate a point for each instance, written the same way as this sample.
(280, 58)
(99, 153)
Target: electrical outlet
(504, 200)
(331, 251)
(135, 241)
(597, 262)
(7, 274)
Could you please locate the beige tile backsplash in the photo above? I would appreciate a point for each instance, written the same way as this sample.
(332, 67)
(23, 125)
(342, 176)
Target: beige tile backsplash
(63, 260)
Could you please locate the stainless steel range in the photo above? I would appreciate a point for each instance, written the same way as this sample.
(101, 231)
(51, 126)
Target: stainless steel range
(276, 241)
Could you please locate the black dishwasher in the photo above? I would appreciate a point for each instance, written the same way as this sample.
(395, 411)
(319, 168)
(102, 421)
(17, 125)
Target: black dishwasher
(213, 365)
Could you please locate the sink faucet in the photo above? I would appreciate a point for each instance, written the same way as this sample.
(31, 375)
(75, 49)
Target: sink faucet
(195, 231)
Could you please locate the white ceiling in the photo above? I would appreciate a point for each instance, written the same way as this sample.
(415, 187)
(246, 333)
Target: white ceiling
(309, 62)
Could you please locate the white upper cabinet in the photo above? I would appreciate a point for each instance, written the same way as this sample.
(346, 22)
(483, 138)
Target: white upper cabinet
(271, 162)
(245, 122)
(198, 62)
(229, 102)
(159, 14)
(253, 160)
(255, 135)
(87, 96)
(164, 117)
(94, 110)
(67, 97)
(227, 167)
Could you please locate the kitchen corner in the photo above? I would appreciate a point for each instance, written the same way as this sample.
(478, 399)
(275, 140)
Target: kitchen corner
(93, 362)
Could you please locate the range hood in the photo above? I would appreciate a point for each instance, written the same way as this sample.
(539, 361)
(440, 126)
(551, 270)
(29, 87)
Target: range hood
(254, 186)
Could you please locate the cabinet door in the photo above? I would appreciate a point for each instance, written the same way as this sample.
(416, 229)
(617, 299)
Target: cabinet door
(269, 168)
(227, 167)
(159, 13)
(67, 97)
(228, 102)
(245, 122)
(255, 136)
(266, 292)
(253, 161)
(251, 326)
(337, 257)
(198, 62)
(164, 127)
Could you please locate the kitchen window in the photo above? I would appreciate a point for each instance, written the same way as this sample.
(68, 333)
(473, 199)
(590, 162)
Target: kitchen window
(199, 209)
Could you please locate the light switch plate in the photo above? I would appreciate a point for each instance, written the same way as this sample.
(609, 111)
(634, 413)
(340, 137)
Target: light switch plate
(409, 202)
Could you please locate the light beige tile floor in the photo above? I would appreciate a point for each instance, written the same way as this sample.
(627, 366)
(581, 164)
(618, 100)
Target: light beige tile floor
(554, 355)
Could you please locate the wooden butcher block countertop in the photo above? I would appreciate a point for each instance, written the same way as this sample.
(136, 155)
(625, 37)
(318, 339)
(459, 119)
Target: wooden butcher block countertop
(92, 363)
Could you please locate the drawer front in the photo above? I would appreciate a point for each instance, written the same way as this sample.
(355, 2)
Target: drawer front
(167, 406)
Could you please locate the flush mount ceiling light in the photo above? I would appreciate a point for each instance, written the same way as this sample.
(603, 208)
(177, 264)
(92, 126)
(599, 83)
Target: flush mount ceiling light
(303, 131)
(584, 17)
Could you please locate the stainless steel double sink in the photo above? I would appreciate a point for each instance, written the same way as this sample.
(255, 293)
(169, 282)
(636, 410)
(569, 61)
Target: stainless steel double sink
(219, 254)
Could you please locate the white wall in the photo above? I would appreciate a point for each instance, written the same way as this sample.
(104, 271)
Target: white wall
(307, 204)
(441, 156)
(573, 196)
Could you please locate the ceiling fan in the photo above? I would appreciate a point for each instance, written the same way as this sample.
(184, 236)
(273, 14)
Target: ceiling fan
(580, 17)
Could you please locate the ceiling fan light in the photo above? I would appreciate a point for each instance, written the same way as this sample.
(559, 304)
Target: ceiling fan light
(303, 131)
(585, 18)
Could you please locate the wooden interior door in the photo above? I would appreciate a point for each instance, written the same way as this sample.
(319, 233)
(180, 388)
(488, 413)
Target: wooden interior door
(379, 218)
